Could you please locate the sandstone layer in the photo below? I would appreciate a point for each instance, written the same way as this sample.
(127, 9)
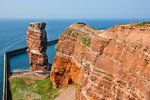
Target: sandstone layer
(112, 64)
(37, 45)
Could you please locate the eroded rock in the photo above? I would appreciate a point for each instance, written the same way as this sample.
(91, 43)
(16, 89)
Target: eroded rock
(37, 45)
(67, 72)
(115, 65)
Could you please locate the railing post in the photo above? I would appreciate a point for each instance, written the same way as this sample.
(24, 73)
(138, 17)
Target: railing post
(5, 77)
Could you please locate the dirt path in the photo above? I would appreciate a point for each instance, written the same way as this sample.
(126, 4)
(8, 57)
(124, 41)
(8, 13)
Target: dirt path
(67, 94)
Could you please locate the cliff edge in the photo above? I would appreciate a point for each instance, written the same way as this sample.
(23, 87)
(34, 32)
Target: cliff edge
(112, 64)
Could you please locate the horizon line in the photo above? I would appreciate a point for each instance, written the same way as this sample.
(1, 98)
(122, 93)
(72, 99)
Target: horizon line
(77, 18)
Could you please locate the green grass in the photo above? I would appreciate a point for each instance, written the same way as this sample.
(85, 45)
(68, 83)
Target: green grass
(73, 35)
(70, 33)
(26, 89)
(93, 27)
(85, 41)
(140, 24)
(67, 31)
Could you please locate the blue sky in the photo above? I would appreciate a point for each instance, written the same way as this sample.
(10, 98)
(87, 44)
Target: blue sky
(74, 8)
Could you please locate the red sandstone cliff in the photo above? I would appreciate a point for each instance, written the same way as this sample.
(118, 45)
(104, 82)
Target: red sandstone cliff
(108, 65)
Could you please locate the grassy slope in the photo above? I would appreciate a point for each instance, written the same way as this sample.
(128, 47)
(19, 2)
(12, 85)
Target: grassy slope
(26, 89)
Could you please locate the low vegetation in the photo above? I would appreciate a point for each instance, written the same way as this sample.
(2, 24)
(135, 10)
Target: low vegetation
(27, 89)
(67, 31)
(92, 27)
(141, 24)
(85, 41)
(74, 35)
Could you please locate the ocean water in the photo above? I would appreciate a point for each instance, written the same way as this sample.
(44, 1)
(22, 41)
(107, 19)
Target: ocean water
(13, 36)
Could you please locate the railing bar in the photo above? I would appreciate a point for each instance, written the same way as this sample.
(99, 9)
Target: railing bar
(7, 66)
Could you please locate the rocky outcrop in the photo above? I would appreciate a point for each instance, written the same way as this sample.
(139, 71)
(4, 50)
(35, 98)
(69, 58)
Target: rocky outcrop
(37, 45)
(112, 64)
(66, 73)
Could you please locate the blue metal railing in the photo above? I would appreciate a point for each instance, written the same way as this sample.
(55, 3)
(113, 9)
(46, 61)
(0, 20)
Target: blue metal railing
(7, 72)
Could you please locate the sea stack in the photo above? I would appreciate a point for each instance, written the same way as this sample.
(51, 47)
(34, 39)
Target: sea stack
(37, 45)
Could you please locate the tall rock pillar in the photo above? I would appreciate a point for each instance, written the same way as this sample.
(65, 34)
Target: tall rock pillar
(37, 45)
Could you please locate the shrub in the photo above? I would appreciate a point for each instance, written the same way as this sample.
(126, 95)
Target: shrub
(85, 41)
(67, 31)
(140, 24)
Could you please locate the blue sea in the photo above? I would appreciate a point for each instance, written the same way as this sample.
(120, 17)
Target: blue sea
(13, 36)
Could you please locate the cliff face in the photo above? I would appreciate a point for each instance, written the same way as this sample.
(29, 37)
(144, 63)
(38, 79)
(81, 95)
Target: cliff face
(108, 65)
(37, 45)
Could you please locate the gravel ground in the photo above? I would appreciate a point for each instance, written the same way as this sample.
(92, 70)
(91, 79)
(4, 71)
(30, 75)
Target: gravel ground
(67, 94)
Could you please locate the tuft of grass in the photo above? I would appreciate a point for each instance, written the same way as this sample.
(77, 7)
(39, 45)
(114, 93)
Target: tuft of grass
(85, 41)
(67, 31)
(73, 35)
(92, 27)
(140, 24)
(26, 89)
(81, 23)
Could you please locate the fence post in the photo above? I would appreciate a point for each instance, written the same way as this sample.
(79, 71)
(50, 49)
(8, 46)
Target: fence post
(5, 77)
